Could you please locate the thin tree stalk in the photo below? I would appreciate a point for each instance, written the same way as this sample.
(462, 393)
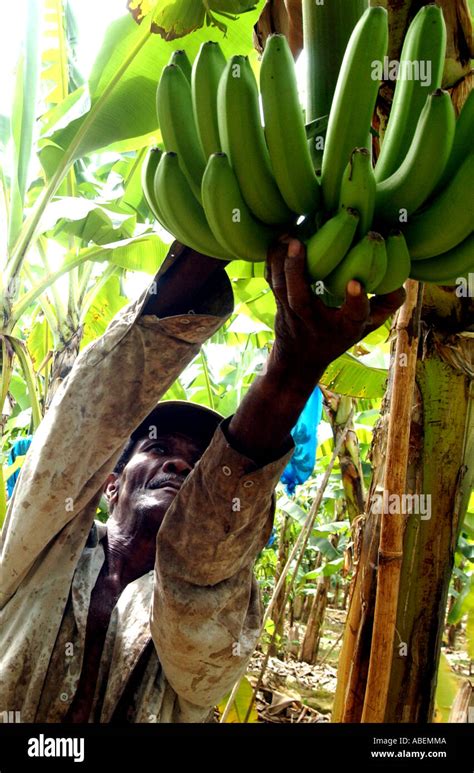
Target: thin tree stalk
(205, 370)
(28, 373)
(393, 526)
(6, 364)
(302, 539)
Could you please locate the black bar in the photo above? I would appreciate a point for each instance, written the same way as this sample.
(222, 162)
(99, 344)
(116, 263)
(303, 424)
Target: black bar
(148, 746)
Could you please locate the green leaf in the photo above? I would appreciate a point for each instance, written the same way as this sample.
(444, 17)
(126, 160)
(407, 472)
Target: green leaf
(54, 72)
(87, 220)
(131, 171)
(103, 309)
(179, 18)
(293, 510)
(10, 469)
(143, 253)
(463, 604)
(100, 226)
(447, 687)
(176, 19)
(241, 704)
(36, 342)
(329, 568)
(470, 633)
(325, 547)
(19, 391)
(348, 376)
(245, 269)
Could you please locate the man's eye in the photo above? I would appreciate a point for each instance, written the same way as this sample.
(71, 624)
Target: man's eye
(158, 448)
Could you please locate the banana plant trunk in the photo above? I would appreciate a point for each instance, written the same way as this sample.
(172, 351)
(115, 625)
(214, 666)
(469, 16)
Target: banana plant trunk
(310, 645)
(441, 473)
(63, 360)
(440, 464)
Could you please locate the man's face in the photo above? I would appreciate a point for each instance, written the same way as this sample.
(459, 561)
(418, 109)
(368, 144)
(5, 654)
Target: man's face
(143, 492)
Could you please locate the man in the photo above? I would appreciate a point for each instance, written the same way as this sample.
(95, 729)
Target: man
(109, 624)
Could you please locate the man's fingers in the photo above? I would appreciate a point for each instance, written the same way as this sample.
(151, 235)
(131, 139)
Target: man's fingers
(383, 306)
(356, 308)
(275, 269)
(297, 286)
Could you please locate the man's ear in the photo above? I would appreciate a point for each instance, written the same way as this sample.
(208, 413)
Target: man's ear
(111, 489)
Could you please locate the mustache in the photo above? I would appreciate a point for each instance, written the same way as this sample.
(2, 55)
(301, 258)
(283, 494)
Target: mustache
(159, 481)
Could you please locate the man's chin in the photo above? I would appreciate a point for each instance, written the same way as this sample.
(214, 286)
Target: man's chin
(151, 504)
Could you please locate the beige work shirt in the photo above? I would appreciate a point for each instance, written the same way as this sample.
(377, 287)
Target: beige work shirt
(179, 636)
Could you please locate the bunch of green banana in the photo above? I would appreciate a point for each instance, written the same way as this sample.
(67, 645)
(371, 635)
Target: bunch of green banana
(237, 171)
(424, 46)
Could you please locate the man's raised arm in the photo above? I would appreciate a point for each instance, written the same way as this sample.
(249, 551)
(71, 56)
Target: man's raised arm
(114, 384)
(308, 336)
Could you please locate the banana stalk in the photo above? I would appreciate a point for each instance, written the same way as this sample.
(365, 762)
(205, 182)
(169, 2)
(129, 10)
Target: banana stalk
(326, 32)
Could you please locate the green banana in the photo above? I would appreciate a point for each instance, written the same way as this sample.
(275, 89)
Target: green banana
(285, 130)
(425, 45)
(186, 218)
(354, 100)
(448, 220)
(207, 70)
(178, 129)
(463, 142)
(448, 267)
(410, 186)
(366, 262)
(326, 249)
(243, 141)
(398, 264)
(358, 188)
(180, 58)
(228, 215)
(149, 167)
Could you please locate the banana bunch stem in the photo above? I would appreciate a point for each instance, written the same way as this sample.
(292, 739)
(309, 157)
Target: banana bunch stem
(326, 32)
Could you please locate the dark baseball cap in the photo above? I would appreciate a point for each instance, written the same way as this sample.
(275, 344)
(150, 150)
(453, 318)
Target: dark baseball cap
(191, 419)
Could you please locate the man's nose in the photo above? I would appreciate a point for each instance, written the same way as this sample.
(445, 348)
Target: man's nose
(177, 465)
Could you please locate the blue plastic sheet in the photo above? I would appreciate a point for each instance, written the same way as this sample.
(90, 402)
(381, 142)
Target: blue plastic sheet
(305, 436)
(19, 448)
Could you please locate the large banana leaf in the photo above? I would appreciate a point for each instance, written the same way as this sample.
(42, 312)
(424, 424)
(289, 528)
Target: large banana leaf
(122, 88)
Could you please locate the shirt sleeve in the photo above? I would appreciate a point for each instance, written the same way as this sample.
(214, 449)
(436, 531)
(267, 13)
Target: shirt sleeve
(206, 612)
(116, 381)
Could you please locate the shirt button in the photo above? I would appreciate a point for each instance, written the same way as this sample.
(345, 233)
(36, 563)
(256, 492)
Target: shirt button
(226, 470)
(248, 484)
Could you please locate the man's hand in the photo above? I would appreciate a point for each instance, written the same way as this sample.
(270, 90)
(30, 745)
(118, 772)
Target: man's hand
(308, 336)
